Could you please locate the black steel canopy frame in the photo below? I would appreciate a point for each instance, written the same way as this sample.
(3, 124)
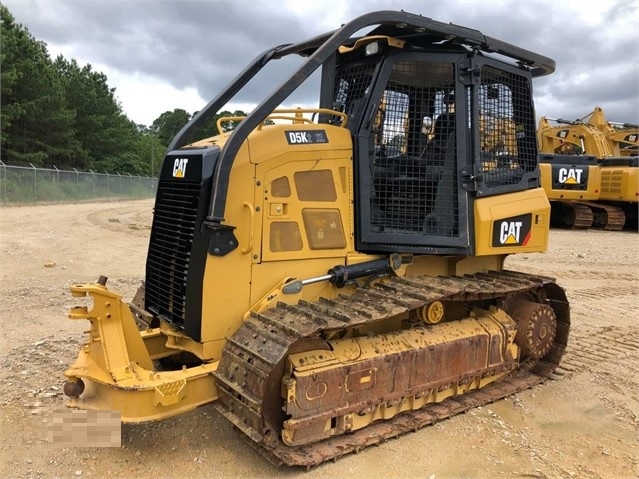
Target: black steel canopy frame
(319, 49)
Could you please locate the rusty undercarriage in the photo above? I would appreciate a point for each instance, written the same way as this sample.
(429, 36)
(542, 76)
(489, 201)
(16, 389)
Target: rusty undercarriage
(311, 382)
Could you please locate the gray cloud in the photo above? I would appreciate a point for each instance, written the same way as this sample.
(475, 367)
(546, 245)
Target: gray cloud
(204, 44)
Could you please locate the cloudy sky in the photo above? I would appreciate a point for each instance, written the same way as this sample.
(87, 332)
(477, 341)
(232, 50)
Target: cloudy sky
(165, 54)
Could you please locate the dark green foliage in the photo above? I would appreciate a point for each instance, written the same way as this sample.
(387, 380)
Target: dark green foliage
(36, 123)
(168, 124)
(58, 113)
(107, 138)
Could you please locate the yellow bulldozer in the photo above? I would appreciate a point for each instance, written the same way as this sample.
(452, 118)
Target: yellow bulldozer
(588, 180)
(331, 277)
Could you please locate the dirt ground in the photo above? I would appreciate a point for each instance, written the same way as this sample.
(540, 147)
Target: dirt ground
(582, 424)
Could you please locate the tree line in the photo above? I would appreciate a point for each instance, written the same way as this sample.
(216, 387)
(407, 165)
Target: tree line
(54, 112)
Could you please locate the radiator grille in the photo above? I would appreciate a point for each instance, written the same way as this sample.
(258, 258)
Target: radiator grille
(174, 223)
(611, 181)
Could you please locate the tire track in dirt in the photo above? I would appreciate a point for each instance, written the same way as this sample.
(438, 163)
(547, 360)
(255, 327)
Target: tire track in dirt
(134, 220)
(609, 357)
(602, 292)
(601, 349)
(599, 275)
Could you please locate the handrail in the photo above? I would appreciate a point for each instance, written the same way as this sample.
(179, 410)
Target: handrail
(249, 246)
(226, 119)
(281, 114)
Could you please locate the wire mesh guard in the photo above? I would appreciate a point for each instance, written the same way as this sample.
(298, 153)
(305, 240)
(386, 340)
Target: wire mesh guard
(413, 188)
(508, 148)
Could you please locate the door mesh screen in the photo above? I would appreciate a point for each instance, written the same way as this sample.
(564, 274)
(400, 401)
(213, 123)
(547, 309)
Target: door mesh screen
(432, 133)
(414, 169)
(351, 87)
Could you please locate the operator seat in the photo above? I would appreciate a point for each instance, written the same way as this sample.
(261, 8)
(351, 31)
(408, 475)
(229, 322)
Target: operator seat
(443, 129)
(442, 220)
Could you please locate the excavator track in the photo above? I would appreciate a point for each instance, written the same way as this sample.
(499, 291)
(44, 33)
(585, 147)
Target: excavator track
(249, 376)
(572, 215)
(606, 217)
(586, 214)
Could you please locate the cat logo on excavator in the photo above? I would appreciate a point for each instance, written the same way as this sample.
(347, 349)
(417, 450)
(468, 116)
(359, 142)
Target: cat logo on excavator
(570, 176)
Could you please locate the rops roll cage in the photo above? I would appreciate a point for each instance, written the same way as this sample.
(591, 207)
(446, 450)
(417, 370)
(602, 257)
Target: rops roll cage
(319, 49)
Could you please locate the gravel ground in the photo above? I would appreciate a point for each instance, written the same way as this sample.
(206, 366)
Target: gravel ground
(582, 424)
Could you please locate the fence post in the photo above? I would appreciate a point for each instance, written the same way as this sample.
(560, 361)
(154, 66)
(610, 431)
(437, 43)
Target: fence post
(77, 186)
(58, 189)
(92, 185)
(130, 180)
(108, 187)
(4, 184)
(120, 186)
(35, 185)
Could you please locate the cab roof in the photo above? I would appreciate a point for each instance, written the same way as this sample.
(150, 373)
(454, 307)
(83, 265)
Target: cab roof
(423, 32)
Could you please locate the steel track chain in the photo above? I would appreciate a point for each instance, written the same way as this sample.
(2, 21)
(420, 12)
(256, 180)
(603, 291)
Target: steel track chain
(606, 217)
(252, 361)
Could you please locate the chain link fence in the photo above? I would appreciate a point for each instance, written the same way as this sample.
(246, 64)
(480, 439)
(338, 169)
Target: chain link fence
(20, 185)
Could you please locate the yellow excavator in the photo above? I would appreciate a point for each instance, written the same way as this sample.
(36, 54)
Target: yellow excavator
(587, 180)
(620, 175)
(332, 277)
(622, 137)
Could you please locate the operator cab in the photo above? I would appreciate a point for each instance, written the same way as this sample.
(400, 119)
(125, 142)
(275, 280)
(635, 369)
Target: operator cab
(414, 188)
(435, 126)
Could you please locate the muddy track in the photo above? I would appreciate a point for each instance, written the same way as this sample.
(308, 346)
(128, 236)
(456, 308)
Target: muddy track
(585, 214)
(251, 366)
